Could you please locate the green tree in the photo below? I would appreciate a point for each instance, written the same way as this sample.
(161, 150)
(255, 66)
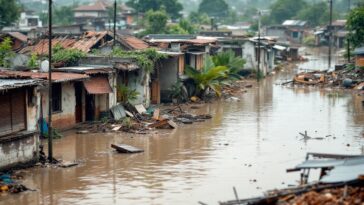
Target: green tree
(63, 15)
(9, 12)
(199, 18)
(187, 26)
(315, 14)
(176, 29)
(214, 8)
(285, 9)
(5, 52)
(156, 21)
(172, 7)
(355, 26)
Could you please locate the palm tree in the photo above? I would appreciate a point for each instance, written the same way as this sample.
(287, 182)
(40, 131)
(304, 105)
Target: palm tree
(209, 77)
(229, 60)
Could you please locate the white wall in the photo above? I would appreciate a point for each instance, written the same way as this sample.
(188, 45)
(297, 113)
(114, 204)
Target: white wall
(66, 118)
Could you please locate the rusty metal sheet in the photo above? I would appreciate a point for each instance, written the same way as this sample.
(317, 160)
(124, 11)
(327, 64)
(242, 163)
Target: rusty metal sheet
(133, 42)
(56, 76)
(98, 85)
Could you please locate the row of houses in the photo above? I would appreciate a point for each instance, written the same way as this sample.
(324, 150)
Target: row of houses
(86, 91)
(293, 32)
(96, 16)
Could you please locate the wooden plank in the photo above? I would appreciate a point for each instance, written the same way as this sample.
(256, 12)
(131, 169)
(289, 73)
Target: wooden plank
(123, 148)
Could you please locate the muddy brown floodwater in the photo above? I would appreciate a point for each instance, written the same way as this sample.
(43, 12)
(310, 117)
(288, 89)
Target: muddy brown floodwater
(248, 144)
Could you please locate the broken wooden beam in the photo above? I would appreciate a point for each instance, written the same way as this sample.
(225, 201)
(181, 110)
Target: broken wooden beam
(123, 148)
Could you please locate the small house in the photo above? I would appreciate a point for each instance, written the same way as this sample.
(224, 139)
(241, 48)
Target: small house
(95, 95)
(19, 99)
(265, 52)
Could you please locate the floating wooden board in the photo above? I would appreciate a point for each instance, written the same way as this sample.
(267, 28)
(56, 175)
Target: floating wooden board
(123, 148)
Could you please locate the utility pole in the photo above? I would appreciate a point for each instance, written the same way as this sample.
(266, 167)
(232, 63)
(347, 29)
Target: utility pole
(330, 34)
(347, 39)
(258, 68)
(115, 5)
(50, 136)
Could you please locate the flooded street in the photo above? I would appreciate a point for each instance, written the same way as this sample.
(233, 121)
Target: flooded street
(247, 144)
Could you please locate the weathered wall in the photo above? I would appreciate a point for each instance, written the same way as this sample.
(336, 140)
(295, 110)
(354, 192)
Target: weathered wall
(66, 118)
(14, 152)
(32, 109)
(251, 63)
(140, 81)
(168, 73)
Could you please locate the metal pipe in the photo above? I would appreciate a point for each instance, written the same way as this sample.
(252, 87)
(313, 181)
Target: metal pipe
(50, 137)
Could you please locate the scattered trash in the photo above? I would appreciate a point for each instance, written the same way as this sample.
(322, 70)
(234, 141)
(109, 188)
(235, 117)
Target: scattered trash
(123, 148)
(140, 108)
(9, 184)
(118, 112)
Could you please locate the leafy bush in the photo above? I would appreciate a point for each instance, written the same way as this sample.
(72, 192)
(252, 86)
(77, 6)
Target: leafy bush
(209, 77)
(177, 92)
(5, 52)
(146, 59)
(229, 60)
(33, 61)
(67, 56)
(126, 94)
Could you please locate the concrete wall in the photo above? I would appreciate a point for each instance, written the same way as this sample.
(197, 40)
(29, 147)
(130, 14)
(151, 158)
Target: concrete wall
(66, 118)
(139, 80)
(251, 63)
(18, 150)
(168, 75)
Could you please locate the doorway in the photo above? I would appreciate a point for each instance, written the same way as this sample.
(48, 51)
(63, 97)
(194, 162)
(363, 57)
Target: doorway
(90, 107)
(78, 109)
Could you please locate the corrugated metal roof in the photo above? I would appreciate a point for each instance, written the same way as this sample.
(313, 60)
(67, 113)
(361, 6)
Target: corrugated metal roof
(6, 84)
(41, 48)
(87, 69)
(89, 40)
(349, 170)
(359, 51)
(133, 42)
(294, 23)
(56, 76)
(18, 36)
(85, 43)
(98, 85)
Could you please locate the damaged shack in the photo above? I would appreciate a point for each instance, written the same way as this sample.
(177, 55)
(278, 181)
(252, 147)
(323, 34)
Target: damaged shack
(19, 98)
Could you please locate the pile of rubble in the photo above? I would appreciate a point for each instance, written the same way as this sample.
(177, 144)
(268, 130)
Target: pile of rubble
(344, 195)
(235, 89)
(138, 120)
(9, 184)
(351, 79)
